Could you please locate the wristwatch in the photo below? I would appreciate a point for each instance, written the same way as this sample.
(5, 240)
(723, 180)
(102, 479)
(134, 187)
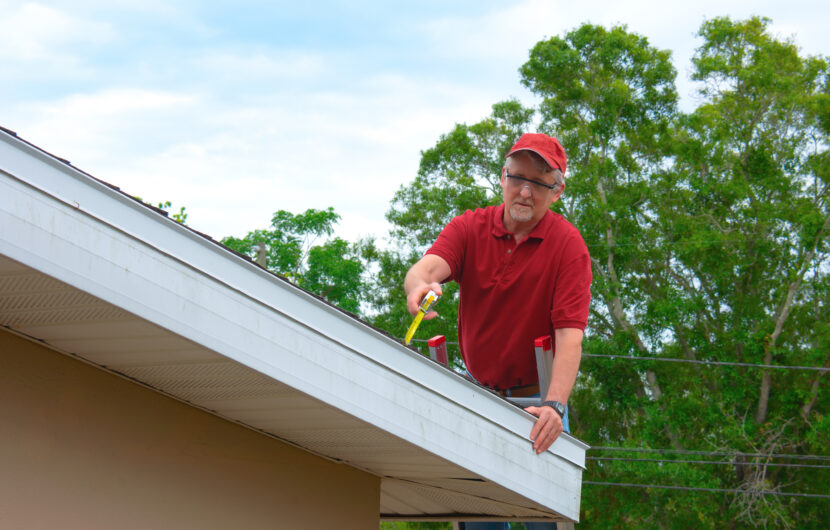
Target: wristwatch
(557, 406)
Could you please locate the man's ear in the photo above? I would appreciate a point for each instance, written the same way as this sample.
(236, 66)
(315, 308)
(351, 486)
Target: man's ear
(558, 193)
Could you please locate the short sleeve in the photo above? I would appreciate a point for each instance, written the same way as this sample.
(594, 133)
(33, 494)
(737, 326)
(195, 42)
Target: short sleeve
(451, 245)
(572, 294)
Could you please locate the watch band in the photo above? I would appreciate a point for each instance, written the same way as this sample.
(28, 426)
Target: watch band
(558, 406)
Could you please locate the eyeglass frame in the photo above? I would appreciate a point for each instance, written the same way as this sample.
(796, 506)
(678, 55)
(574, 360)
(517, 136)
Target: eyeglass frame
(550, 187)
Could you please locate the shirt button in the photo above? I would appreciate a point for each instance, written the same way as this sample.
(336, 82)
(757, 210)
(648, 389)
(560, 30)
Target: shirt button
(509, 251)
(508, 236)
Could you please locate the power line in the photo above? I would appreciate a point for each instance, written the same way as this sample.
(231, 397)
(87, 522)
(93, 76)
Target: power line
(655, 460)
(719, 363)
(604, 243)
(710, 453)
(713, 490)
(707, 244)
(689, 361)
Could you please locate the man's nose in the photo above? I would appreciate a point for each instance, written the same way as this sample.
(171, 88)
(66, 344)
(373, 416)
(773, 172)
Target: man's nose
(526, 191)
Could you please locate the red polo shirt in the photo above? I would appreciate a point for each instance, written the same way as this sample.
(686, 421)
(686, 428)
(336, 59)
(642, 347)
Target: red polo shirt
(510, 294)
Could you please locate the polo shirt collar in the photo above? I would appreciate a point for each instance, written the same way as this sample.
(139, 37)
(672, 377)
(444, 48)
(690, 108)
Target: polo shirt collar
(538, 231)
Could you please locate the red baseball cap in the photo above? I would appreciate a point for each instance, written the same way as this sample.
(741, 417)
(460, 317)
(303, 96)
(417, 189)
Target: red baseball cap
(545, 146)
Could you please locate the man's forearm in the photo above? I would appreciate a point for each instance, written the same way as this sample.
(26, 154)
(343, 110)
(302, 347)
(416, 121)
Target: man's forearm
(565, 363)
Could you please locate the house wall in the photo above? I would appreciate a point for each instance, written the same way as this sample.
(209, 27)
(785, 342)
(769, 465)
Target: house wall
(82, 448)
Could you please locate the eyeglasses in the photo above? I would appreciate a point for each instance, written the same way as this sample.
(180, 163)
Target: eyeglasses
(516, 181)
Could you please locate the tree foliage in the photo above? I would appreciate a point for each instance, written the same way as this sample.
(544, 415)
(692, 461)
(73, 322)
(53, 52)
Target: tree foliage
(179, 217)
(333, 269)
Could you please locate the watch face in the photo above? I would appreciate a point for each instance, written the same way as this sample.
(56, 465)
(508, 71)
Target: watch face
(558, 406)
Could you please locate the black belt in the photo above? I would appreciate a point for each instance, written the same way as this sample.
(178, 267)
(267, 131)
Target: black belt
(520, 391)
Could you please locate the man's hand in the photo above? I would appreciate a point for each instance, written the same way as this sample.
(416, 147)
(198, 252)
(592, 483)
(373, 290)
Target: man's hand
(546, 429)
(422, 277)
(413, 299)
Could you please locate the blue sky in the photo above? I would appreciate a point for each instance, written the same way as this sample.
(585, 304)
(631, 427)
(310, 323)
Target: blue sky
(238, 109)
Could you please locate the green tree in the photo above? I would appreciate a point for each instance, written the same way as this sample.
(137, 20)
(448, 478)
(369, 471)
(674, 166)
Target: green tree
(333, 269)
(289, 239)
(335, 272)
(744, 219)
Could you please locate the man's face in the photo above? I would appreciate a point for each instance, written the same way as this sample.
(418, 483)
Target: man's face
(526, 202)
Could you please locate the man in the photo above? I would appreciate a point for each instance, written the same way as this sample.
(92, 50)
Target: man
(524, 272)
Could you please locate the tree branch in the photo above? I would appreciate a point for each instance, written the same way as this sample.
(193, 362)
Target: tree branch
(781, 315)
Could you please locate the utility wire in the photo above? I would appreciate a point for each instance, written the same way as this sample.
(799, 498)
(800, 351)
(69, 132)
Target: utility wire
(719, 363)
(710, 453)
(690, 361)
(714, 490)
(655, 460)
(665, 243)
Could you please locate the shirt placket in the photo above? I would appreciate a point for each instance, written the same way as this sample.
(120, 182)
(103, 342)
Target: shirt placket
(510, 252)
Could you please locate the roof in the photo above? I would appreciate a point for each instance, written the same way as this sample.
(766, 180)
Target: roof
(95, 274)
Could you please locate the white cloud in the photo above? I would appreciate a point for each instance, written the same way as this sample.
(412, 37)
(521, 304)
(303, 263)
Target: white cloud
(33, 31)
(349, 150)
(102, 127)
(494, 35)
(112, 102)
(261, 66)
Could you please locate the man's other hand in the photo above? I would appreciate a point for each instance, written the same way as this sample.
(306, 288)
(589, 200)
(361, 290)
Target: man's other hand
(546, 429)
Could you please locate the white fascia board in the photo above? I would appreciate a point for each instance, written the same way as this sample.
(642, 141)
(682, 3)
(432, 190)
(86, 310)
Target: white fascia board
(59, 221)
